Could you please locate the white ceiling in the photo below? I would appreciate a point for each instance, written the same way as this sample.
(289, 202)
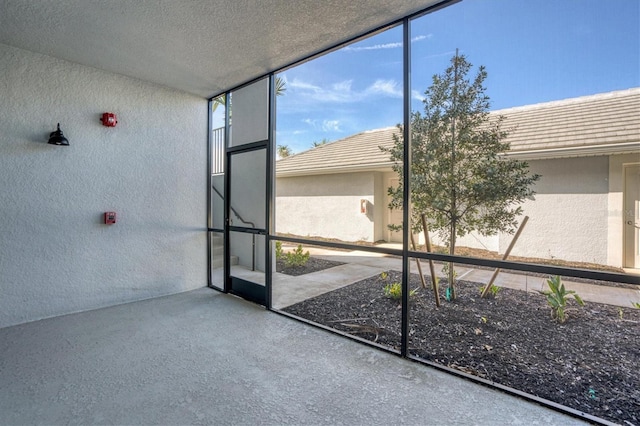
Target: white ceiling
(200, 46)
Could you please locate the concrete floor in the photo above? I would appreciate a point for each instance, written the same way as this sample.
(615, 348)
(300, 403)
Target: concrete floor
(203, 357)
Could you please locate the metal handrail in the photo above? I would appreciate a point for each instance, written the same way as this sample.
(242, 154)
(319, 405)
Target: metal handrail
(253, 225)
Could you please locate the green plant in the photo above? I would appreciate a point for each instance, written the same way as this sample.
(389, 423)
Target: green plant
(493, 290)
(459, 178)
(394, 290)
(297, 257)
(635, 305)
(445, 270)
(557, 298)
(279, 252)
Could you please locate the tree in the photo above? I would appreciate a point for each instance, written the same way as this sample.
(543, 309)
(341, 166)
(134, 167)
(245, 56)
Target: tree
(322, 142)
(459, 180)
(284, 151)
(222, 99)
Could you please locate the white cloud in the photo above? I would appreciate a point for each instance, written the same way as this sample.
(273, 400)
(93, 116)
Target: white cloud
(331, 125)
(417, 95)
(385, 87)
(374, 47)
(343, 86)
(342, 92)
(438, 55)
(384, 45)
(297, 84)
(324, 125)
(421, 37)
(339, 92)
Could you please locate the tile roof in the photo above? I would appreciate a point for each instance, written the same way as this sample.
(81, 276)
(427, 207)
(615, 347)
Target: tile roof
(359, 152)
(599, 124)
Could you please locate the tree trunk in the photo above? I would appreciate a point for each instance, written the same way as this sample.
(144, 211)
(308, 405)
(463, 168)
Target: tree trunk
(452, 273)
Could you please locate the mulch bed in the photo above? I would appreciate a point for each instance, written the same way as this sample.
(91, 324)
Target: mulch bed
(313, 265)
(590, 363)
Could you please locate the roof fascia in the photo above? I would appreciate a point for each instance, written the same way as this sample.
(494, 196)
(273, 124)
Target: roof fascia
(572, 151)
(382, 167)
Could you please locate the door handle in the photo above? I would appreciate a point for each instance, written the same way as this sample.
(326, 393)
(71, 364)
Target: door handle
(630, 222)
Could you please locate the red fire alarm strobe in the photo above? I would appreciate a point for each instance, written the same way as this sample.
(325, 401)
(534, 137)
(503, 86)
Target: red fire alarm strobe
(109, 119)
(109, 218)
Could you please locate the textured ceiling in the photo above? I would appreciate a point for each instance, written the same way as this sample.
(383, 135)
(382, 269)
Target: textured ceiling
(200, 46)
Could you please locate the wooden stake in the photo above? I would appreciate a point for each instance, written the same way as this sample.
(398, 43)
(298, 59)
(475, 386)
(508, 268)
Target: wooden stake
(485, 291)
(413, 243)
(434, 278)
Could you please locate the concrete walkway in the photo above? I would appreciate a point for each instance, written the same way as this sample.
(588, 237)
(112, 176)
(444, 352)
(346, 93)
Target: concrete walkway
(360, 265)
(203, 357)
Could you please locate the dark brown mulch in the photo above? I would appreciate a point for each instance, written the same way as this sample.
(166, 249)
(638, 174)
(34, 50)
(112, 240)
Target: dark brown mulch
(590, 363)
(313, 265)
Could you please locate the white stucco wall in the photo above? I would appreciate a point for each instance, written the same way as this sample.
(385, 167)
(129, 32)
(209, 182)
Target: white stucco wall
(472, 240)
(576, 214)
(326, 206)
(568, 219)
(56, 255)
(573, 216)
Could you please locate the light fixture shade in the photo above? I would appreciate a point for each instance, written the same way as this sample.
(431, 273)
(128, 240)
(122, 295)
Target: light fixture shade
(57, 138)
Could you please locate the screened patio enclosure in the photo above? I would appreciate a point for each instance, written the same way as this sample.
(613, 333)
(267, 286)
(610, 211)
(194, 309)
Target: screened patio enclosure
(341, 202)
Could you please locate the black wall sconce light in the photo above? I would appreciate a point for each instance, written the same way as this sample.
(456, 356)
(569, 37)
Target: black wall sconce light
(57, 138)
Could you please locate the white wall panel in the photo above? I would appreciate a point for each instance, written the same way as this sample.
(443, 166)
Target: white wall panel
(56, 255)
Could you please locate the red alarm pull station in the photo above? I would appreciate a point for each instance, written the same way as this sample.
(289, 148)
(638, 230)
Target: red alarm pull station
(109, 119)
(109, 218)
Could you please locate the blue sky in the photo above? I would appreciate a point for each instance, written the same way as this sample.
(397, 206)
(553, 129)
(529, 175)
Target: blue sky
(533, 50)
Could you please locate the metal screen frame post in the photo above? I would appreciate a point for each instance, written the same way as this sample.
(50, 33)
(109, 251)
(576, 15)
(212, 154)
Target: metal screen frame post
(406, 192)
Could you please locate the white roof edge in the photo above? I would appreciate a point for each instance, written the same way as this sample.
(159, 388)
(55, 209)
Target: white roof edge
(380, 167)
(379, 130)
(569, 101)
(581, 151)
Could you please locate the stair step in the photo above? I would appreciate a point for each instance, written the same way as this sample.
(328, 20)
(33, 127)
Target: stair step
(218, 262)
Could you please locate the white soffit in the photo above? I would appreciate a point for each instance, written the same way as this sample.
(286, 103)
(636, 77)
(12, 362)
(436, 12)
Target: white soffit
(199, 46)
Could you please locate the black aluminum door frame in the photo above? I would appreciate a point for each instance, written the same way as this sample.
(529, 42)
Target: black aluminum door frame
(246, 289)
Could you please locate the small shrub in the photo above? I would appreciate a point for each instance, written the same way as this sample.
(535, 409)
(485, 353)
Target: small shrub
(394, 291)
(493, 290)
(557, 298)
(297, 257)
(635, 305)
(279, 252)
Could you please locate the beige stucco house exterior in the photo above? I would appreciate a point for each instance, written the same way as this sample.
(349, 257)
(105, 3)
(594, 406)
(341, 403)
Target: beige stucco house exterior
(586, 207)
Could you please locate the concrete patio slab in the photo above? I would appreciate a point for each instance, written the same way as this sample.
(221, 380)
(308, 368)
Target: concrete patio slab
(288, 290)
(204, 357)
